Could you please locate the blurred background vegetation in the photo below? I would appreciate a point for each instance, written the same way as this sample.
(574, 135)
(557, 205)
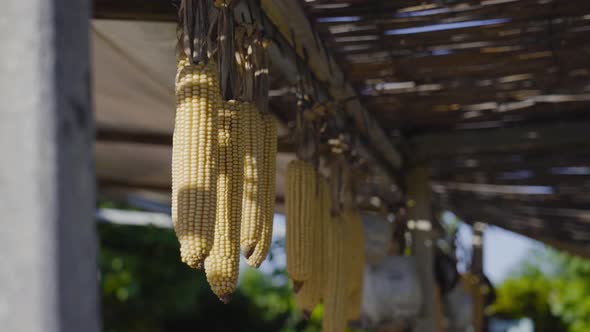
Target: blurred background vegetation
(145, 287)
(551, 288)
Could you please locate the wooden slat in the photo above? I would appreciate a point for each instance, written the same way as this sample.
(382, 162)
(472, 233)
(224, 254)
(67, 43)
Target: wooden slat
(578, 249)
(546, 227)
(285, 144)
(524, 10)
(141, 10)
(501, 140)
(425, 65)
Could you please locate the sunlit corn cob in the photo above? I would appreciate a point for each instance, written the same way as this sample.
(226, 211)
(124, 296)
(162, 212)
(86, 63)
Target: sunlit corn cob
(336, 278)
(268, 177)
(252, 139)
(311, 291)
(222, 264)
(299, 201)
(355, 253)
(194, 155)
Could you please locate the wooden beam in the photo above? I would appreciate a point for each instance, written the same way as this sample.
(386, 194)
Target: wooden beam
(49, 278)
(110, 135)
(515, 168)
(420, 224)
(570, 215)
(504, 140)
(523, 175)
(556, 228)
(140, 10)
(575, 248)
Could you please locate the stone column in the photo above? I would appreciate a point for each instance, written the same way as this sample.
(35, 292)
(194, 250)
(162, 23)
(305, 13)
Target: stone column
(48, 270)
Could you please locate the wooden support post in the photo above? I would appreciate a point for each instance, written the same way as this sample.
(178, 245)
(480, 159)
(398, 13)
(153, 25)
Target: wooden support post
(47, 192)
(477, 272)
(420, 224)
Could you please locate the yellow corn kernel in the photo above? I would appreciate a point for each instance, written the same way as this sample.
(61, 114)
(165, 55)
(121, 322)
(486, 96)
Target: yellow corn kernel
(268, 179)
(299, 200)
(222, 264)
(194, 155)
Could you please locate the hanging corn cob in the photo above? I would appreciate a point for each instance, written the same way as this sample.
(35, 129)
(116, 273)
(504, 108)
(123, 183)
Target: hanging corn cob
(193, 159)
(253, 195)
(260, 145)
(267, 194)
(312, 290)
(222, 264)
(299, 201)
(356, 262)
(336, 278)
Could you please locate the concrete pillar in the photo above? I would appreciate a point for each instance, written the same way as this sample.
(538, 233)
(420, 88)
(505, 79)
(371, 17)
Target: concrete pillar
(420, 224)
(48, 270)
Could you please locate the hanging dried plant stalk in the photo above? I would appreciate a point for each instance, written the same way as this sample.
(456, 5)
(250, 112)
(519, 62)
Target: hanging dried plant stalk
(193, 29)
(261, 71)
(224, 23)
(245, 65)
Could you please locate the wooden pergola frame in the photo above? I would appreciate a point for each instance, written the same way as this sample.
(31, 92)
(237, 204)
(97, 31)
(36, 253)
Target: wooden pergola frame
(48, 181)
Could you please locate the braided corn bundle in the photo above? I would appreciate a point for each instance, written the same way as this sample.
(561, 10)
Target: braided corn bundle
(267, 193)
(336, 278)
(356, 262)
(194, 155)
(299, 201)
(312, 290)
(252, 139)
(222, 264)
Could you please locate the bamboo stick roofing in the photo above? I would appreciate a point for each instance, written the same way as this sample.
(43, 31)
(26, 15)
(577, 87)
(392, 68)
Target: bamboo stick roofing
(493, 94)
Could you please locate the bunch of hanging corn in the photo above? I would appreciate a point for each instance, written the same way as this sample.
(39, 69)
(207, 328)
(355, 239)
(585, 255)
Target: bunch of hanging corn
(194, 156)
(311, 292)
(300, 199)
(224, 152)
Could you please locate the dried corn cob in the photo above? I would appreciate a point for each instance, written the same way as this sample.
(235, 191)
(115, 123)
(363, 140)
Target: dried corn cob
(252, 139)
(268, 177)
(194, 156)
(311, 291)
(299, 214)
(222, 264)
(336, 278)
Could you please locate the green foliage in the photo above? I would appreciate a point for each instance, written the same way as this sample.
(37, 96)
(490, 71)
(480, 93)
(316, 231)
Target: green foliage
(146, 288)
(571, 300)
(551, 288)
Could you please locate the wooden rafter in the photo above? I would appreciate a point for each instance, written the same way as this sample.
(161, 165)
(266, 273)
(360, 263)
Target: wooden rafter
(553, 231)
(136, 137)
(501, 140)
